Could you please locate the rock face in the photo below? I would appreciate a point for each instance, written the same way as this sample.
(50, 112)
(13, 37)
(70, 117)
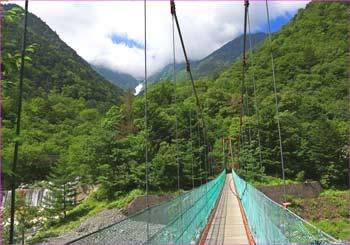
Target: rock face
(140, 202)
(34, 196)
(304, 190)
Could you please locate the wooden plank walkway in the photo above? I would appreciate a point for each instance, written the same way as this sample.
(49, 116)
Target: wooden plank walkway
(227, 226)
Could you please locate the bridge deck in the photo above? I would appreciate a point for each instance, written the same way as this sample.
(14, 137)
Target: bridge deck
(227, 226)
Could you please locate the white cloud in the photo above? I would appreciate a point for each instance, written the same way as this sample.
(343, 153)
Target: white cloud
(87, 27)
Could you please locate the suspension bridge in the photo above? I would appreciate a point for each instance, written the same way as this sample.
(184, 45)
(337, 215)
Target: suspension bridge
(225, 210)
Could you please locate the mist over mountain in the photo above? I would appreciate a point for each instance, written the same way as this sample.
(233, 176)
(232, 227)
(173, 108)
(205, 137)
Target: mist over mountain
(122, 80)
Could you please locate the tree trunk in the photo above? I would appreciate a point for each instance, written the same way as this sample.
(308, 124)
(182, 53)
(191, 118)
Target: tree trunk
(23, 236)
(64, 201)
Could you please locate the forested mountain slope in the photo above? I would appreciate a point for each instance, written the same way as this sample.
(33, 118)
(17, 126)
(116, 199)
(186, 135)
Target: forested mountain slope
(311, 72)
(213, 64)
(54, 65)
(310, 57)
(61, 92)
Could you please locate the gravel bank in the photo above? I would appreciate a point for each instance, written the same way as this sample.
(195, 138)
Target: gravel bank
(91, 224)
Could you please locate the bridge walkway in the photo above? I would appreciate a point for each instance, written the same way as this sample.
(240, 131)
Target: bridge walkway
(227, 226)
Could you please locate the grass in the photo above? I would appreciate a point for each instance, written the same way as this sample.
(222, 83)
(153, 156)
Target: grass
(271, 181)
(89, 207)
(329, 212)
(339, 228)
(333, 192)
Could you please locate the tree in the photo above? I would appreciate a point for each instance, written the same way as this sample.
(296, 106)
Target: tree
(62, 190)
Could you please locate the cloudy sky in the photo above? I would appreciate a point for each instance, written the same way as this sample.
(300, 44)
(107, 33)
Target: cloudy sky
(110, 33)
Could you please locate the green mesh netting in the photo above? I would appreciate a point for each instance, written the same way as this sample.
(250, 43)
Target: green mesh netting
(179, 221)
(270, 223)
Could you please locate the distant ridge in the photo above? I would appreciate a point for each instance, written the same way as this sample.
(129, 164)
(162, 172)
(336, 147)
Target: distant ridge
(213, 64)
(122, 80)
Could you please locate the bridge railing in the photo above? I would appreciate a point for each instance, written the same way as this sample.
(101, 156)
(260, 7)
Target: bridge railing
(178, 221)
(271, 223)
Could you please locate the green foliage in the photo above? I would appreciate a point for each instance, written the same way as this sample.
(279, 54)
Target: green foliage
(125, 200)
(54, 65)
(266, 180)
(63, 96)
(250, 169)
(310, 57)
(339, 228)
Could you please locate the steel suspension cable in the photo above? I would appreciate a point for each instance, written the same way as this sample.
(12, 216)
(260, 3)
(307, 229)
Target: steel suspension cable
(223, 153)
(18, 127)
(175, 101)
(241, 137)
(191, 149)
(276, 97)
(254, 90)
(248, 115)
(146, 116)
(199, 147)
(188, 69)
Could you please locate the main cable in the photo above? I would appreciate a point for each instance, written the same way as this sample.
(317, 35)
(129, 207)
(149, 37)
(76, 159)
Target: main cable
(188, 69)
(241, 138)
(243, 90)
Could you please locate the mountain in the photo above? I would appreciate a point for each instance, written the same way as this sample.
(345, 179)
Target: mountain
(211, 65)
(63, 97)
(122, 80)
(311, 60)
(54, 65)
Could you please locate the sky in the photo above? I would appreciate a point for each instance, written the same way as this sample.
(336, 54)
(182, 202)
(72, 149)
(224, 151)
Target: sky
(111, 33)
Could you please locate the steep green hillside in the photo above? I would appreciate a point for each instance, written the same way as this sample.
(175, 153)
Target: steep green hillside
(61, 93)
(54, 65)
(167, 72)
(310, 57)
(311, 72)
(122, 80)
(211, 65)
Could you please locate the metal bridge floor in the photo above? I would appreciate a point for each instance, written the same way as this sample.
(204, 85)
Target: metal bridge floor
(227, 226)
